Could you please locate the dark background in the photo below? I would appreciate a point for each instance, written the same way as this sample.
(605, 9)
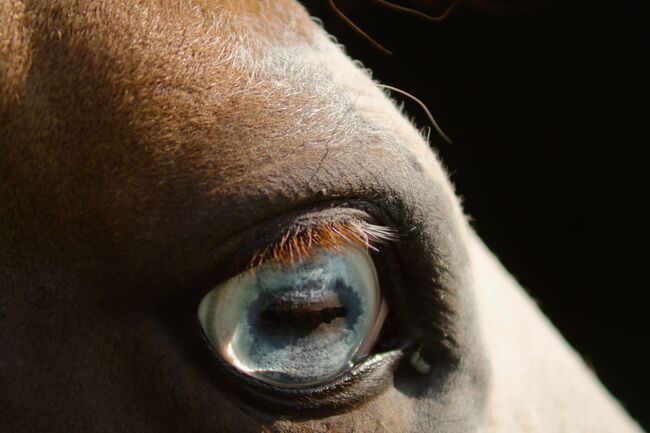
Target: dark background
(547, 110)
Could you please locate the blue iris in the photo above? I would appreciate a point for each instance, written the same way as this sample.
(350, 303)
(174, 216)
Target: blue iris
(297, 325)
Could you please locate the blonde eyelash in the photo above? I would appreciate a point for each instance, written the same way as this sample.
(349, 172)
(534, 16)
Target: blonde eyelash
(300, 243)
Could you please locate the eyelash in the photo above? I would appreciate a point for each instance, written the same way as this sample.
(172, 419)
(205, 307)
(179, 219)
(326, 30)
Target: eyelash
(300, 241)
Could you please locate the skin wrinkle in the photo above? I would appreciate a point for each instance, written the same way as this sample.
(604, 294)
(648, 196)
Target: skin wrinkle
(141, 141)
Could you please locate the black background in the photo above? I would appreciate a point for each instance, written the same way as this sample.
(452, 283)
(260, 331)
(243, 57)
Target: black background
(546, 107)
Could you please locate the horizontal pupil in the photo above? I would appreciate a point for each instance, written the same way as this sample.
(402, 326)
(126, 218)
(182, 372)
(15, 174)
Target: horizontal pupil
(305, 307)
(300, 317)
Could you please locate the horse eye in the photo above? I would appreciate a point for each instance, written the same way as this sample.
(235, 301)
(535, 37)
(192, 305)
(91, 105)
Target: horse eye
(299, 325)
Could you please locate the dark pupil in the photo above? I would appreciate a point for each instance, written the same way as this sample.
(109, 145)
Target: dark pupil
(306, 307)
(306, 316)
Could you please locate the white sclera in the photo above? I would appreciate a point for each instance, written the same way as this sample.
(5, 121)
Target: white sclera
(294, 354)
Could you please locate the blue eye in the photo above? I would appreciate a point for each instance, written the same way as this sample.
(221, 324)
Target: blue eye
(297, 325)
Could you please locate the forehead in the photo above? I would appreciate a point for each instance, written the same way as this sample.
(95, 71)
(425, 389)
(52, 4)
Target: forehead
(156, 62)
(150, 58)
(161, 81)
(250, 80)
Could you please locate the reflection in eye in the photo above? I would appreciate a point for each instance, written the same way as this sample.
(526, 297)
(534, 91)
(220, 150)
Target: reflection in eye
(297, 325)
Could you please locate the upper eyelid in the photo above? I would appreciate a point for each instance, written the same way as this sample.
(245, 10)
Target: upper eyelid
(247, 249)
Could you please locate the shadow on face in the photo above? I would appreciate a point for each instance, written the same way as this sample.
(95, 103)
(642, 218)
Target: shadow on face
(161, 157)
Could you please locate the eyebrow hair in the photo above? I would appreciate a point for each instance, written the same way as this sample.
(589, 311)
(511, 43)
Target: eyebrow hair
(300, 243)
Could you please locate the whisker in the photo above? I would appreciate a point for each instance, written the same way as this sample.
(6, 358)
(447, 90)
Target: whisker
(417, 13)
(437, 127)
(358, 29)
(395, 7)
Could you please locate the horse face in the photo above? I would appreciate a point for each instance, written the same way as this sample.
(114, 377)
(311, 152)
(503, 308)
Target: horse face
(149, 149)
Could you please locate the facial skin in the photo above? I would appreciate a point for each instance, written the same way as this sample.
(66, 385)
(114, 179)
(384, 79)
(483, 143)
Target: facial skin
(147, 149)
